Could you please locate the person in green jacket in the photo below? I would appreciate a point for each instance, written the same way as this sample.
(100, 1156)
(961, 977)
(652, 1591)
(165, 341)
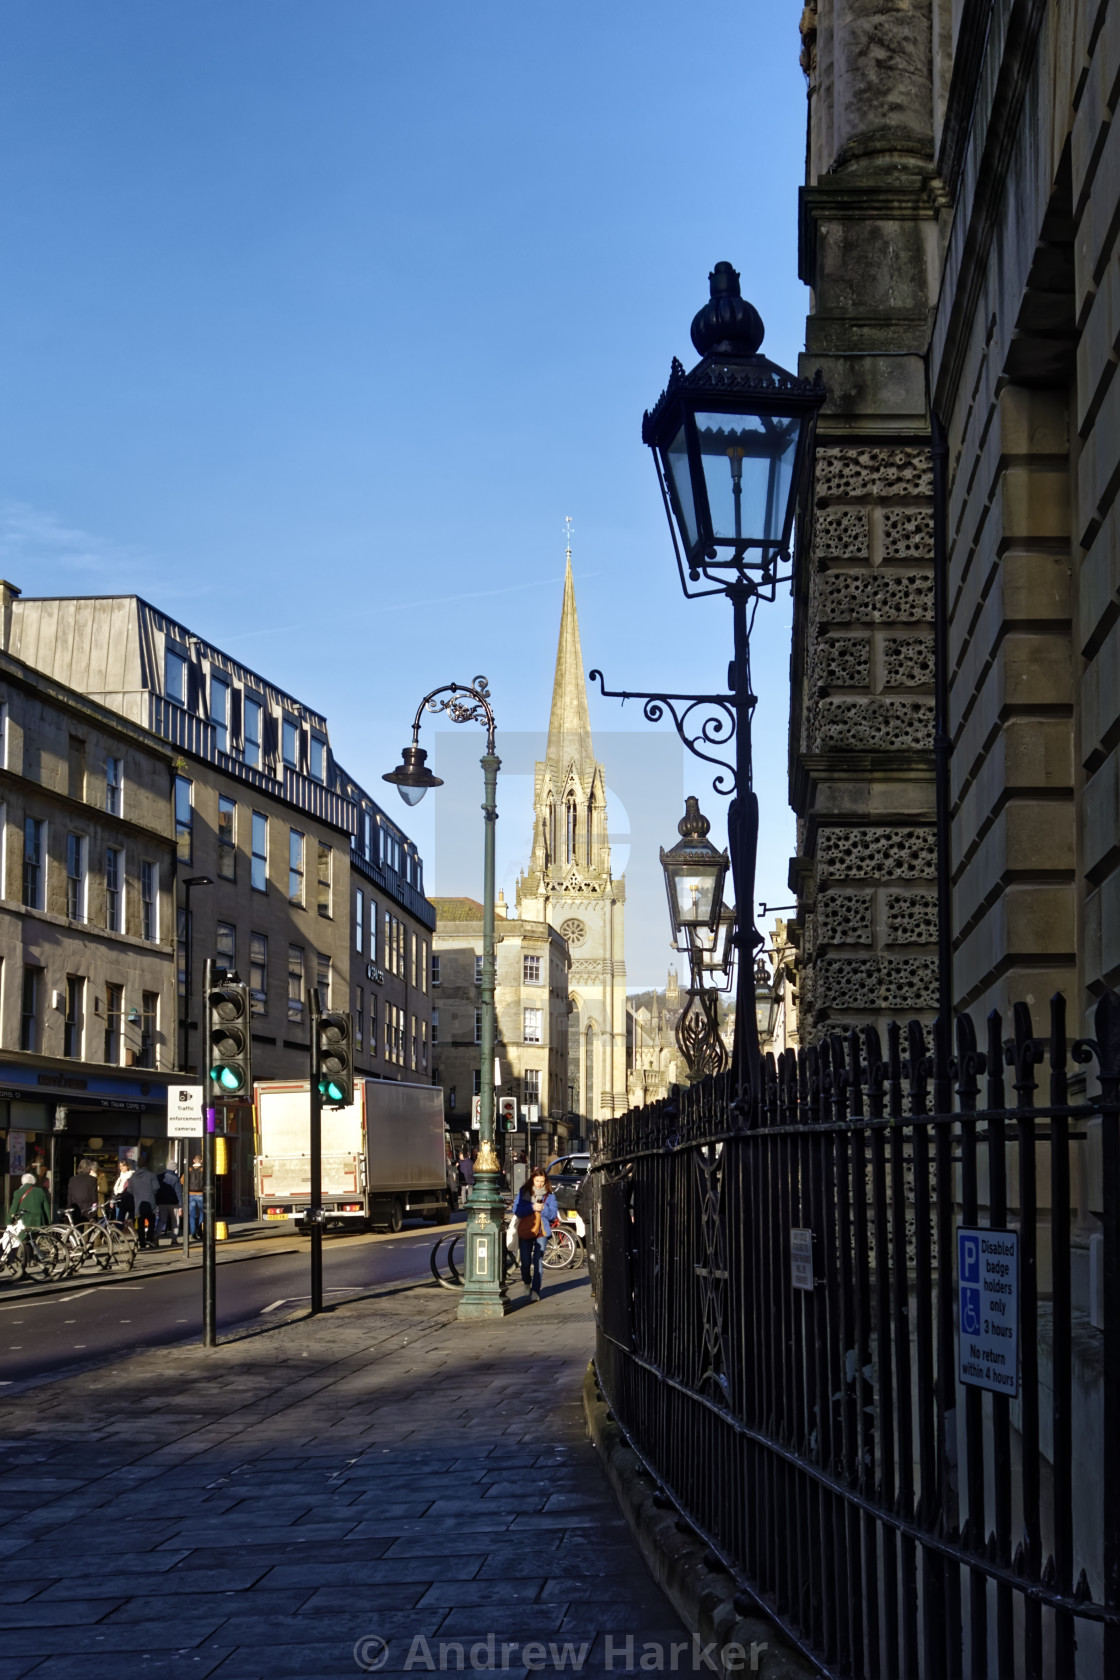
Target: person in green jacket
(30, 1203)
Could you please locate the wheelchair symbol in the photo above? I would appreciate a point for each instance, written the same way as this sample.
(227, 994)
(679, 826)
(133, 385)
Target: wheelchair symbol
(970, 1311)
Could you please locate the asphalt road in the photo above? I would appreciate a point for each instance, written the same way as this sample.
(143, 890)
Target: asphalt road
(47, 1335)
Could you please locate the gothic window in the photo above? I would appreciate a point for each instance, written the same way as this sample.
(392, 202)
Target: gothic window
(589, 1074)
(551, 836)
(570, 830)
(590, 829)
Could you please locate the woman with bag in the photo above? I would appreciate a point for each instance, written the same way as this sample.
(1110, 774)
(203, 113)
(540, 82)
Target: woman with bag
(536, 1213)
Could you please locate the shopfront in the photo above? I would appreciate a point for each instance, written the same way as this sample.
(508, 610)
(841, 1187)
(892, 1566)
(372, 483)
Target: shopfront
(49, 1121)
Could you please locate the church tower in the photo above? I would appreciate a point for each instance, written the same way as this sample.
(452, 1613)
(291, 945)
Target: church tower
(569, 883)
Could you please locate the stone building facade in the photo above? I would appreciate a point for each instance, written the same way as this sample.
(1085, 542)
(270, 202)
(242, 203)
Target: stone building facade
(654, 1059)
(958, 228)
(293, 852)
(531, 1006)
(87, 917)
(570, 886)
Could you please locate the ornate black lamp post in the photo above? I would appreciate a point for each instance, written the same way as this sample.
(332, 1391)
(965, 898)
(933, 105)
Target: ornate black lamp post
(484, 1294)
(694, 877)
(731, 441)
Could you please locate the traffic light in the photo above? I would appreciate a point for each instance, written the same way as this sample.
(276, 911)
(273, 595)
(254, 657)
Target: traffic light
(507, 1113)
(227, 1004)
(334, 1059)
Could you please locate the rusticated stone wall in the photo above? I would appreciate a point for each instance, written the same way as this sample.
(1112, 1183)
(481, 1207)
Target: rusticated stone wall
(866, 865)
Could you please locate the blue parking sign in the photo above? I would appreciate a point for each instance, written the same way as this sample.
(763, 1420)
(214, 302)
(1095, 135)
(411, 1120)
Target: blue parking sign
(988, 1309)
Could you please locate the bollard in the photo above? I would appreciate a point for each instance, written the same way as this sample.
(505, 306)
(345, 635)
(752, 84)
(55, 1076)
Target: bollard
(221, 1231)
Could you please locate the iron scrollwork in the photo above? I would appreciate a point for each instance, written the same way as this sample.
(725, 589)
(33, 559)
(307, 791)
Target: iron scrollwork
(713, 727)
(463, 703)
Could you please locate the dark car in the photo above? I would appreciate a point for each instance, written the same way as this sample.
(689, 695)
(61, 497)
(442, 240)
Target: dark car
(567, 1173)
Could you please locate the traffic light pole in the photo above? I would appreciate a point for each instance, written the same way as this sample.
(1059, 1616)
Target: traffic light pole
(209, 1235)
(315, 1199)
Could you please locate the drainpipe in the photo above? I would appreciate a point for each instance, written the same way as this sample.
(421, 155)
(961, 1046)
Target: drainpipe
(942, 744)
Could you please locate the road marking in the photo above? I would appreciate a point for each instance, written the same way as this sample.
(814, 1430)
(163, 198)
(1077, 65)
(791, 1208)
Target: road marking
(82, 1292)
(268, 1309)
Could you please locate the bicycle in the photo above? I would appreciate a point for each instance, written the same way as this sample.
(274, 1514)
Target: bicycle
(560, 1249)
(30, 1251)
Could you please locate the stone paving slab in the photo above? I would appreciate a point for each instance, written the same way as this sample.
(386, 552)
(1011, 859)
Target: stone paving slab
(381, 1473)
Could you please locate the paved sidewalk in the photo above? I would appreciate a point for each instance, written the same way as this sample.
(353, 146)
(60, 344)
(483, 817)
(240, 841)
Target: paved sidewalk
(288, 1503)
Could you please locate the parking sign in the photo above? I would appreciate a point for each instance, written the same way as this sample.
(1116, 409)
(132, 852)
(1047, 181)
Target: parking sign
(988, 1309)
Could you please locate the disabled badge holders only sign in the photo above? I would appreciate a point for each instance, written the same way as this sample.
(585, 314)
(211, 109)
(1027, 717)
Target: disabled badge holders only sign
(988, 1309)
(184, 1111)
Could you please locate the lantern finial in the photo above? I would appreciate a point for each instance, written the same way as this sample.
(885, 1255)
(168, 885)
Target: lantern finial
(727, 322)
(694, 825)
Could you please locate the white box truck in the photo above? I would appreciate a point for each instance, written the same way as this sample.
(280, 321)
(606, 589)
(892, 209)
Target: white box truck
(386, 1156)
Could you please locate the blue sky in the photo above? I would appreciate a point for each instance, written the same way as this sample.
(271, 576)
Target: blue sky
(318, 316)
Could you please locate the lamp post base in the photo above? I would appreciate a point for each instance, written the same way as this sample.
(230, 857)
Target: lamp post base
(484, 1291)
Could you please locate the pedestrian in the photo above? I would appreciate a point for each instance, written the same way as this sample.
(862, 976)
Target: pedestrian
(194, 1196)
(169, 1200)
(466, 1174)
(123, 1201)
(81, 1191)
(144, 1186)
(536, 1213)
(30, 1203)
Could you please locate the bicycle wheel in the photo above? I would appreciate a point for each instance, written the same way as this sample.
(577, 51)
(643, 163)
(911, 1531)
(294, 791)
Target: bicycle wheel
(98, 1247)
(123, 1239)
(43, 1256)
(559, 1249)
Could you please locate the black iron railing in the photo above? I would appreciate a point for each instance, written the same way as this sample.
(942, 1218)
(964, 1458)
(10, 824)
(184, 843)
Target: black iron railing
(870, 1343)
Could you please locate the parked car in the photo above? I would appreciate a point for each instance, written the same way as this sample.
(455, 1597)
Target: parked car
(567, 1173)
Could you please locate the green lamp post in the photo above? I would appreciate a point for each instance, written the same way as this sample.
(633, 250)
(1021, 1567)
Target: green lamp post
(484, 1292)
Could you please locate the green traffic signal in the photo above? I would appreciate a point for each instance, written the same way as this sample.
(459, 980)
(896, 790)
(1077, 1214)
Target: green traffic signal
(229, 1078)
(333, 1092)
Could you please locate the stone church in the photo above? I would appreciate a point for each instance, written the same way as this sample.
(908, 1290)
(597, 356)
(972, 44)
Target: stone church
(569, 884)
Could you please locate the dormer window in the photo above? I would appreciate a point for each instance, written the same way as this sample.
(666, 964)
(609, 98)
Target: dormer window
(219, 712)
(318, 759)
(175, 676)
(290, 744)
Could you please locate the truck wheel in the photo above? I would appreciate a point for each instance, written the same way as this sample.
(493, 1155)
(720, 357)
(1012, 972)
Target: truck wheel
(442, 1215)
(396, 1216)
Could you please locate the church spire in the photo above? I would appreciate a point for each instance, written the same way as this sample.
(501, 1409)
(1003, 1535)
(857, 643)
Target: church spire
(569, 724)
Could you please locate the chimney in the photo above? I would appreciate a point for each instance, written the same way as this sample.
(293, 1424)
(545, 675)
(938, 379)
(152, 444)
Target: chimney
(500, 907)
(8, 593)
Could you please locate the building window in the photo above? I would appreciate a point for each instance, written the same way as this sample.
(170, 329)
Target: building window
(424, 1046)
(3, 735)
(252, 751)
(225, 946)
(114, 889)
(318, 759)
(183, 814)
(373, 1026)
(29, 1010)
(72, 1026)
(114, 1006)
(534, 1019)
(324, 880)
(477, 1082)
(366, 826)
(181, 948)
(373, 930)
(76, 877)
(531, 971)
(149, 900)
(359, 1016)
(323, 980)
(478, 1026)
(227, 838)
(435, 1026)
(33, 863)
(258, 974)
(414, 1041)
(424, 965)
(532, 1085)
(219, 712)
(295, 983)
(148, 1012)
(435, 971)
(258, 862)
(359, 921)
(175, 676)
(478, 970)
(291, 744)
(295, 867)
(114, 786)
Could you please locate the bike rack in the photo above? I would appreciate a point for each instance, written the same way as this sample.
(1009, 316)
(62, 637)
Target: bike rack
(454, 1281)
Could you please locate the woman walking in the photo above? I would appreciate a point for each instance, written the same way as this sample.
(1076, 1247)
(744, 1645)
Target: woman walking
(536, 1213)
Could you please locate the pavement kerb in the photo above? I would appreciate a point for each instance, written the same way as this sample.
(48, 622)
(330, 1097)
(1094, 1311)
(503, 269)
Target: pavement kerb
(702, 1595)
